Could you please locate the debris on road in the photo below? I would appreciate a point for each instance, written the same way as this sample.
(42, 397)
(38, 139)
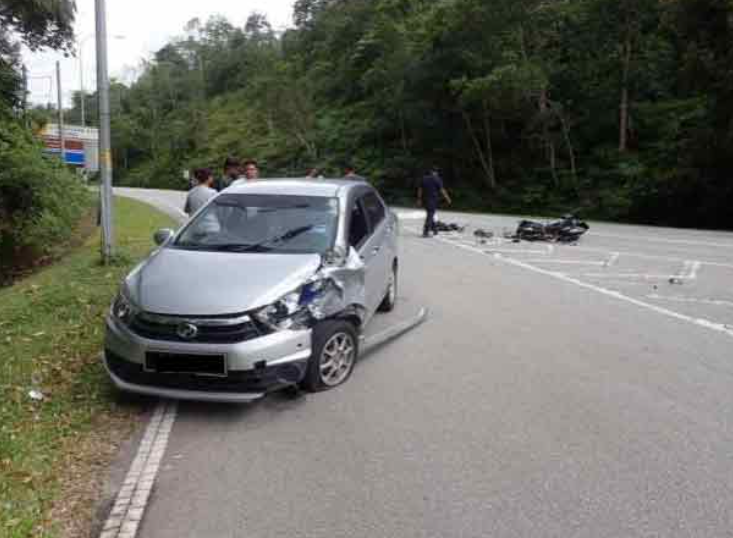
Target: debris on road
(448, 227)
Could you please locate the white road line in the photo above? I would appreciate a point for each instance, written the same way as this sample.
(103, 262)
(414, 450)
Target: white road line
(695, 269)
(662, 240)
(642, 276)
(515, 251)
(653, 257)
(132, 499)
(613, 259)
(679, 299)
(700, 322)
(568, 262)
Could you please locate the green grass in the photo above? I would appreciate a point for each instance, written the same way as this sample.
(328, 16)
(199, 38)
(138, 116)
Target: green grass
(51, 331)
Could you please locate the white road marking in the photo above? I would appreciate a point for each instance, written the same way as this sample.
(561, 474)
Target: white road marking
(132, 499)
(613, 259)
(679, 299)
(694, 269)
(700, 322)
(642, 276)
(515, 251)
(568, 262)
(644, 256)
(662, 240)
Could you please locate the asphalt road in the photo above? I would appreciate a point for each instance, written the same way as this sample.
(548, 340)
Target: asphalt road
(554, 391)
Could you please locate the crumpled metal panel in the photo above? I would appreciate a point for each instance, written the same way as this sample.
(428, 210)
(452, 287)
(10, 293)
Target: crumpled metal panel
(349, 280)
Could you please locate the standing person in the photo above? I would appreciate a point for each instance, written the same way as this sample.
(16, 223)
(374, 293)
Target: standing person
(232, 172)
(313, 173)
(201, 193)
(431, 187)
(251, 172)
(350, 173)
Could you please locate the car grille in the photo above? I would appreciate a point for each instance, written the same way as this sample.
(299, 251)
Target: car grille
(214, 330)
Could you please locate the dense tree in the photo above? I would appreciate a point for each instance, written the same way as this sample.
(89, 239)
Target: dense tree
(622, 108)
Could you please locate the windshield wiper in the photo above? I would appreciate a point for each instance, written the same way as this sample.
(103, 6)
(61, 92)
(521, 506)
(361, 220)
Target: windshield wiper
(235, 247)
(287, 236)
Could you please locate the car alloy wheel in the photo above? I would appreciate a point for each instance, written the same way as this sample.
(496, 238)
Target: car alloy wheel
(337, 359)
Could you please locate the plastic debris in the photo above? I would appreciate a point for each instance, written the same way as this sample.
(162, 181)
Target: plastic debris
(448, 227)
(36, 395)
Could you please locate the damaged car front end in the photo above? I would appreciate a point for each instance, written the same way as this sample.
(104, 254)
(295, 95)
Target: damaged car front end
(270, 285)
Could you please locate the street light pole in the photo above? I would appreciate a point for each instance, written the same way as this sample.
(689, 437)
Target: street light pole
(82, 91)
(105, 150)
(81, 85)
(62, 132)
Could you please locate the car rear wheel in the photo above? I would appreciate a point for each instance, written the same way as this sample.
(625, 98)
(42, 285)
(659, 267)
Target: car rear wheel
(335, 350)
(390, 298)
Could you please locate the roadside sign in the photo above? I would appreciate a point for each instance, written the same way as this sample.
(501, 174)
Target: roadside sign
(81, 148)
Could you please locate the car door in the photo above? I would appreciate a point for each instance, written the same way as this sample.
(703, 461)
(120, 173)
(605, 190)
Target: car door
(362, 240)
(378, 248)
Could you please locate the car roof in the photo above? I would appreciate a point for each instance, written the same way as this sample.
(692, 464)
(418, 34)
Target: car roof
(296, 187)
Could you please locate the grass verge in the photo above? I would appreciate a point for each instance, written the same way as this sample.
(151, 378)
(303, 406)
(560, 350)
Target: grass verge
(51, 331)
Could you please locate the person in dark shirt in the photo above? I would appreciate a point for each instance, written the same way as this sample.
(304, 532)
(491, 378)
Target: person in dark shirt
(428, 195)
(232, 172)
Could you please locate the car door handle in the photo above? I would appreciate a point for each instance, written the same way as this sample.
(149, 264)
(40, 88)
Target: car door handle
(376, 250)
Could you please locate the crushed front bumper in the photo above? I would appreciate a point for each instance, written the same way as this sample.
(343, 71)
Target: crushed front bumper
(254, 367)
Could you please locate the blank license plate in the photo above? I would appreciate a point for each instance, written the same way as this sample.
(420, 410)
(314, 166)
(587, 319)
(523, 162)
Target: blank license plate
(180, 363)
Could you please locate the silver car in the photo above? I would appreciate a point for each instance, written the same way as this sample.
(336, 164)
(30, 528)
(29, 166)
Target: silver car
(271, 284)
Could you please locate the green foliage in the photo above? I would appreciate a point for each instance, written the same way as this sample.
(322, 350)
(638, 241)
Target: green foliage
(518, 101)
(41, 202)
(50, 337)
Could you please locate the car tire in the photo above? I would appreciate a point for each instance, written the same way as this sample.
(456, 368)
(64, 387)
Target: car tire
(335, 350)
(390, 298)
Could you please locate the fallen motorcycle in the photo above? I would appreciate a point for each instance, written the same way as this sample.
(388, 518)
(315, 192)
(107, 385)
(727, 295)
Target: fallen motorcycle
(568, 229)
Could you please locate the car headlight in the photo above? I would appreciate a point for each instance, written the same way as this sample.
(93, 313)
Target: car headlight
(301, 308)
(122, 308)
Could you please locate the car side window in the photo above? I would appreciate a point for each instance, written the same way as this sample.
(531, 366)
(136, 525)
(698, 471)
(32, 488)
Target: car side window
(358, 227)
(374, 208)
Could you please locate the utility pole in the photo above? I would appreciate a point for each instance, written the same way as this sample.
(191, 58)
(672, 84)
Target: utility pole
(81, 85)
(62, 133)
(105, 149)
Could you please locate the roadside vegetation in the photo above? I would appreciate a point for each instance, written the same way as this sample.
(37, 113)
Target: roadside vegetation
(59, 417)
(41, 201)
(621, 108)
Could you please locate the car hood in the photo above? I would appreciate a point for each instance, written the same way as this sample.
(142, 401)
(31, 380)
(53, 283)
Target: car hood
(197, 283)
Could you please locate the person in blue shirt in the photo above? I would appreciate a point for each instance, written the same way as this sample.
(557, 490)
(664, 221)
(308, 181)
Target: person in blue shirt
(428, 196)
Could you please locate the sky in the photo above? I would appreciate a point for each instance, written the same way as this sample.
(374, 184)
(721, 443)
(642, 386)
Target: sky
(136, 28)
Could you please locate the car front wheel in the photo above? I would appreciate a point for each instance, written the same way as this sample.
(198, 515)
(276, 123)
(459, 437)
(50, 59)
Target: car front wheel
(335, 350)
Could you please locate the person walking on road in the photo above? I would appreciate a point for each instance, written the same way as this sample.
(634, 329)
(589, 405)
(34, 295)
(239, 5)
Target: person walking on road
(428, 193)
(232, 172)
(201, 193)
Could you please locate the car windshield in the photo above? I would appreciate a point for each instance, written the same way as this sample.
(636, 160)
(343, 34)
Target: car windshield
(263, 223)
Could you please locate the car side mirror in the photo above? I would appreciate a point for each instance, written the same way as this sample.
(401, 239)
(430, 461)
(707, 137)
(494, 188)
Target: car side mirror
(161, 237)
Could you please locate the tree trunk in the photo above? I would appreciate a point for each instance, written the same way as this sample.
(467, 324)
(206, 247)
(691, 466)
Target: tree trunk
(489, 145)
(549, 144)
(479, 151)
(403, 133)
(624, 106)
